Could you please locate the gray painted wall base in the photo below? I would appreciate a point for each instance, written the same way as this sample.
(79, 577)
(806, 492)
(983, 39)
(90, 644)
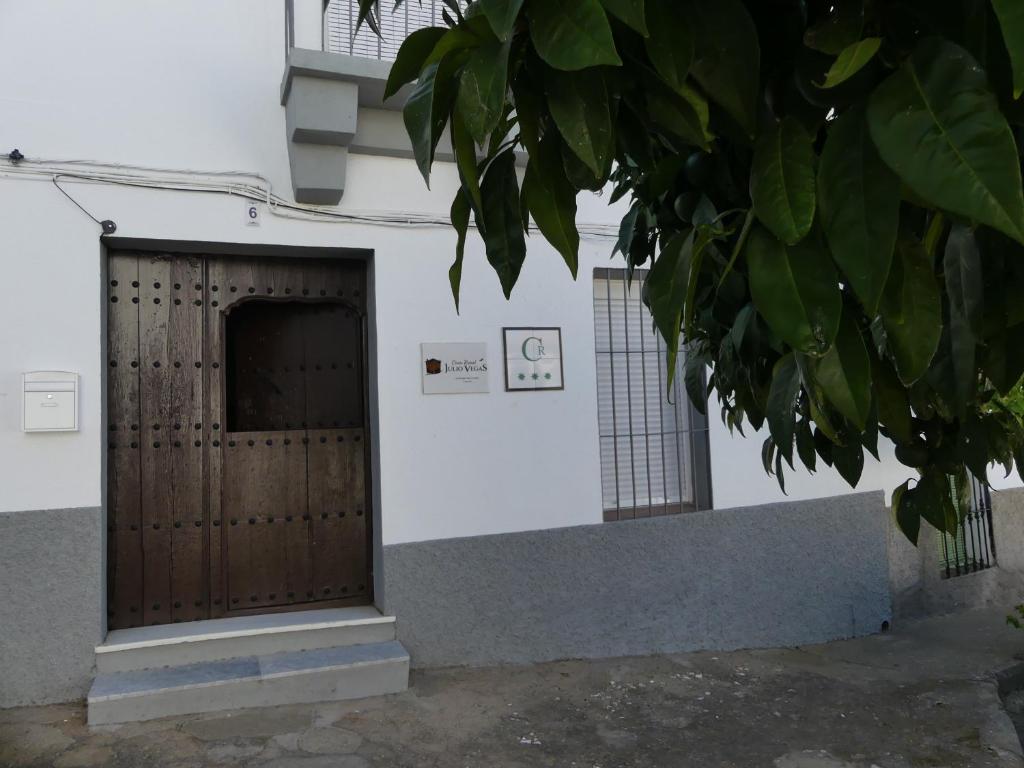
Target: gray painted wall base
(775, 575)
(52, 607)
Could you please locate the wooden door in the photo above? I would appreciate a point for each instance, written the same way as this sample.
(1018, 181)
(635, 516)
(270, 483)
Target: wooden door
(237, 452)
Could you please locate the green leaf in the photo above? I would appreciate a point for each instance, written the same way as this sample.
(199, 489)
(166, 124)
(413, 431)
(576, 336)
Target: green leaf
(913, 454)
(778, 472)
(912, 312)
(933, 234)
(963, 350)
(456, 15)
(465, 159)
(460, 221)
(932, 500)
(782, 394)
(1004, 358)
(482, 88)
(892, 400)
(626, 228)
(629, 12)
(662, 176)
(697, 258)
(693, 376)
(767, 454)
(962, 492)
(796, 290)
(501, 15)
(823, 445)
(580, 174)
(938, 125)
(973, 446)
(869, 437)
(457, 39)
(670, 42)
(552, 201)
(964, 282)
(727, 56)
(683, 114)
(851, 61)
(579, 106)
(502, 220)
(816, 405)
(1011, 19)
(859, 200)
(528, 104)
(426, 111)
(572, 34)
(524, 210)
(744, 329)
(844, 373)
(908, 516)
(805, 444)
(782, 180)
(368, 11)
(849, 462)
(411, 57)
(842, 26)
(954, 373)
(666, 291)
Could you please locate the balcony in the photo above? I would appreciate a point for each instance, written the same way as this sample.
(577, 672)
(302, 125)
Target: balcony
(339, 27)
(333, 90)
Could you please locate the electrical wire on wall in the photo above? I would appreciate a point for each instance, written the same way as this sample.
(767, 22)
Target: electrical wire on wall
(243, 184)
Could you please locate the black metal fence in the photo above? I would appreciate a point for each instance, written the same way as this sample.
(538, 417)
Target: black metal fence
(973, 548)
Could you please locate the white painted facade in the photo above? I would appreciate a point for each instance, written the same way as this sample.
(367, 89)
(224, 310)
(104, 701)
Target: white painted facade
(196, 86)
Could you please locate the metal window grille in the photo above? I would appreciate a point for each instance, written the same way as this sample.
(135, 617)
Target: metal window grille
(653, 443)
(973, 548)
(340, 34)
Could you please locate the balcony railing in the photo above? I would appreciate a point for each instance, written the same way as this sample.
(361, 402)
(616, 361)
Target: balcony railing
(340, 34)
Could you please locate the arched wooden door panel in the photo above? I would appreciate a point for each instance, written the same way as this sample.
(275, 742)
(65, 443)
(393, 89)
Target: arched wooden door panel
(237, 458)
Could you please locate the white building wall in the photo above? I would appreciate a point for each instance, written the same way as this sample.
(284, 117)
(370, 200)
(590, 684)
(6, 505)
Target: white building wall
(450, 465)
(195, 85)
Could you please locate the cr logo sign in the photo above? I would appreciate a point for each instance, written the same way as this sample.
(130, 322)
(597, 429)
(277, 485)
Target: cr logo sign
(533, 348)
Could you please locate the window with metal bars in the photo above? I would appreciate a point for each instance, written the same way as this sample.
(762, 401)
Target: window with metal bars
(340, 34)
(654, 443)
(973, 547)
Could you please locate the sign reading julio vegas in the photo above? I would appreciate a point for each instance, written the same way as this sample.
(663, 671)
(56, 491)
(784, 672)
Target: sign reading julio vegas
(533, 358)
(454, 368)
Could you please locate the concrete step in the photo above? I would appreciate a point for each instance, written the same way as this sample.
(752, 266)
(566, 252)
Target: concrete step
(297, 677)
(173, 645)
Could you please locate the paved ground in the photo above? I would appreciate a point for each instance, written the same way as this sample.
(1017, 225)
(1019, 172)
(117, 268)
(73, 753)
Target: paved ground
(921, 696)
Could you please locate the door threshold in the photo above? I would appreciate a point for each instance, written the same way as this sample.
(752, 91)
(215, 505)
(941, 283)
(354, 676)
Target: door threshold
(241, 626)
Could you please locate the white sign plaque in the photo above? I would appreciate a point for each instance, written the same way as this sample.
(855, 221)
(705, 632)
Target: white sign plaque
(454, 368)
(533, 359)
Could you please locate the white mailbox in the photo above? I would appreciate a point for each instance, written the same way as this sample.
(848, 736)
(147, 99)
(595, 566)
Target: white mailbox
(49, 401)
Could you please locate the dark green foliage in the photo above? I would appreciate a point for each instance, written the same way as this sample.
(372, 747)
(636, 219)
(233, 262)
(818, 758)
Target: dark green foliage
(827, 193)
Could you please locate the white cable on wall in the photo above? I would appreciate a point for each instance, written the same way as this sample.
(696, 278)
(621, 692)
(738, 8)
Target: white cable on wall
(244, 184)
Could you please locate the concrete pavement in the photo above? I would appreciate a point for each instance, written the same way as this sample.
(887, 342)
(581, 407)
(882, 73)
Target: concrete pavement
(922, 695)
